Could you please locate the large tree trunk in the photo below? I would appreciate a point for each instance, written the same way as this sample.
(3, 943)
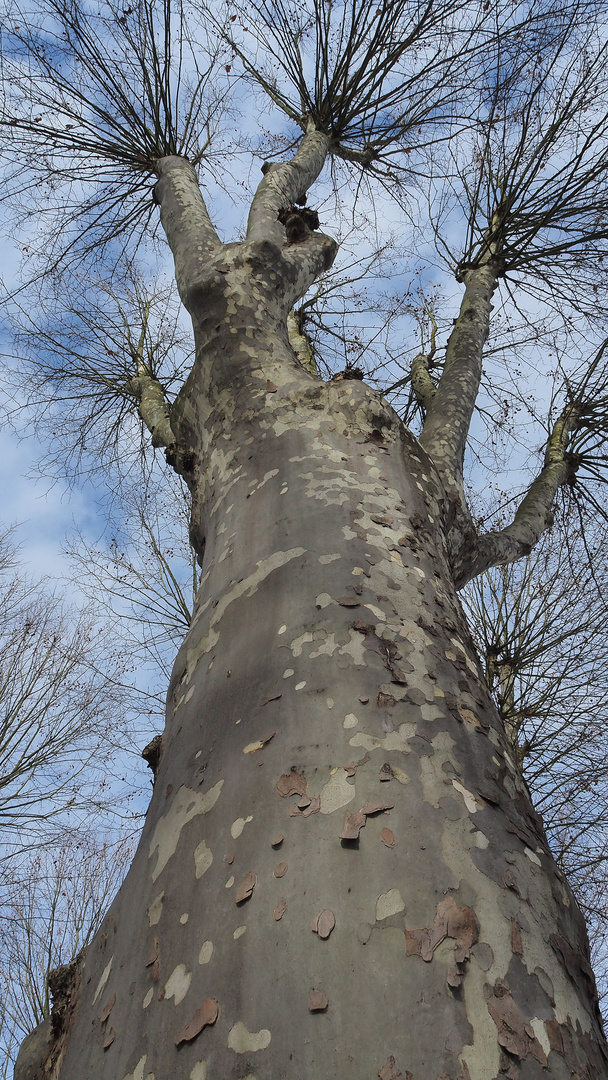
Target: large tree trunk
(341, 875)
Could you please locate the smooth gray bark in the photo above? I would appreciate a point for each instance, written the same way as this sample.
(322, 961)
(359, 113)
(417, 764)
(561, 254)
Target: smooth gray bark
(341, 875)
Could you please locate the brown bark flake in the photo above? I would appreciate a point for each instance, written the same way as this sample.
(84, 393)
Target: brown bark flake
(515, 1035)
(347, 601)
(277, 840)
(291, 783)
(383, 519)
(280, 869)
(323, 923)
(390, 1071)
(385, 701)
(273, 697)
(388, 838)
(271, 388)
(376, 808)
(109, 1039)
(516, 945)
(153, 954)
(246, 888)
(280, 909)
(206, 1015)
(317, 1000)
(450, 921)
(352, 824)
(386, 773)
(312, 807)
(107, 1009)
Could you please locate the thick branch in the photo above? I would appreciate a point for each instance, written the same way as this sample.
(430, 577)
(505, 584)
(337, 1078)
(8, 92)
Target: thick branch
(186, 222)
(153, 409)
(446, 427)
(422, 384)
(284, 184)
(534, 513)
(307, 259)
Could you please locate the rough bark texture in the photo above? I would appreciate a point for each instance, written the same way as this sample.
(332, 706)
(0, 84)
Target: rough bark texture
(341, 875)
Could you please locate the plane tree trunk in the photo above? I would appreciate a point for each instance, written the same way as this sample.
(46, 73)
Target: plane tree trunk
(341, 874)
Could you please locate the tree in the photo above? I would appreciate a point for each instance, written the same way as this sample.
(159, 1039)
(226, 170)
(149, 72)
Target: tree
(341, 872)
(52, 904)
(64, 709)
(539, 628)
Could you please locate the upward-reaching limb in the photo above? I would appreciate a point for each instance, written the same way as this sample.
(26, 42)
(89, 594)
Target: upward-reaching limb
(284, 184)
(185, 219)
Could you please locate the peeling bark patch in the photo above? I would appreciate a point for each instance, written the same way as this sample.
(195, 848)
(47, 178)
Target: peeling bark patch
(516, 945)
(468, 797)
(280, 909)
(280, 870)
(205, 1016)
(246, 888)
(267, 700)
(390, 1071)
(515, 1035)
(243, 1041)
(388, 837)
(450, 921)
(389, 903)
(186, 805)
(178, 983)
(109, 1039)
(107, 1009)
(386, 773)
(203, 858)
(105, 975)
(155, 910)
(305, 810)
(371, 808)
(323, 923)
(277, 840)
(353, 823)
(317, 1000)
(253, 746)
(291, 783)
(148, 998)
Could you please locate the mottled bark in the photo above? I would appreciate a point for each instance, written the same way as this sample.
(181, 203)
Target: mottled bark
(341, 875)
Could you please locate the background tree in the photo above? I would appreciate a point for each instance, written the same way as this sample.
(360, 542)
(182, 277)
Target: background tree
(328, 658)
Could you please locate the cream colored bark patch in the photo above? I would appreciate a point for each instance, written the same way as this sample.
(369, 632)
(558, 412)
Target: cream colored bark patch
(178, 983)
(199, 1071)
(203, 858)
(355, 648)
(204, 955)
(395, 740)
(138, 1071)
(237, 826)
(336, 793)
(246, 1042)
(532, 856)
(104, 978)
(389, 903)
(249, 586)
(148, 998)
(186, 805)
(469, 798)
(240, 930)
